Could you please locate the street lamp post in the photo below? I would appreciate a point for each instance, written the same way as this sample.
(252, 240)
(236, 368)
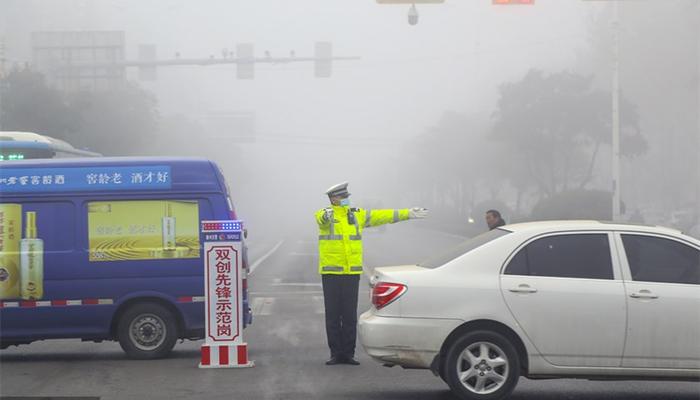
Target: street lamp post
(615, 173)
(616, 113)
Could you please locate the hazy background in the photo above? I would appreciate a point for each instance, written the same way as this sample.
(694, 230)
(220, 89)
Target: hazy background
(477, 106)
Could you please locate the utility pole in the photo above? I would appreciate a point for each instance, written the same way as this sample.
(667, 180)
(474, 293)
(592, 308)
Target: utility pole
(615, 170)
(616, 113)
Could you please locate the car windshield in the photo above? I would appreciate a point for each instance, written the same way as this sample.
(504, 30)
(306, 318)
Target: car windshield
(450, 254)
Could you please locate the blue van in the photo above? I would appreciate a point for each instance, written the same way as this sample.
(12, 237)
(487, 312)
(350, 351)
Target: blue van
(107, 249)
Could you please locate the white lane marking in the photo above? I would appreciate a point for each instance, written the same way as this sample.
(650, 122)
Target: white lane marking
(319, 307)
(263, 305)
(256, 304)
(297, 284)
(288, 293)
(263, 258)
(296, 292)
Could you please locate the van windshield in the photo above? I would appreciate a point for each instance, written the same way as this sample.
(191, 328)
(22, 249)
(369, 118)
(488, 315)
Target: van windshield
(468, 245)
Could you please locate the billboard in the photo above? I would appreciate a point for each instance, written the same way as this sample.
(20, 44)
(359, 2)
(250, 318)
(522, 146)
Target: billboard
(80, 60)
(143, 230)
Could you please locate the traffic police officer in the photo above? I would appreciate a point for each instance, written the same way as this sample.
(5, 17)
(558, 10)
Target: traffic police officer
(340, 264)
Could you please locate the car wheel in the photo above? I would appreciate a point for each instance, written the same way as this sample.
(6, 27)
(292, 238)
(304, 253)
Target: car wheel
(147, 331)
(482, 365)
(441, 373)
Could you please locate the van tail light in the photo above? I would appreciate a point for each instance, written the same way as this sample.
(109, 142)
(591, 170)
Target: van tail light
(384, 293)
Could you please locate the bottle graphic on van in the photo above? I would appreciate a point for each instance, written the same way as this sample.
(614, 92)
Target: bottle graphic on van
(31, 254)
(168, 228)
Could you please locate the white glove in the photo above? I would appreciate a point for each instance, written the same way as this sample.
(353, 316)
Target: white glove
(417, 213)
(327, 214)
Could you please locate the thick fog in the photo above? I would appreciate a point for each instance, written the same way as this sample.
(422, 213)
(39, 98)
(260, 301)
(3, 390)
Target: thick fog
(477, 106)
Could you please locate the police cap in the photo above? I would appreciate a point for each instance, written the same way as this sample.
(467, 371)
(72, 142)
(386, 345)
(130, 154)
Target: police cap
(340, 190)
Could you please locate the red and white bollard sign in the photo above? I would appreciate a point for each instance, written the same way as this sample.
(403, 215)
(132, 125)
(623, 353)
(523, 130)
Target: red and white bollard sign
(223, 287)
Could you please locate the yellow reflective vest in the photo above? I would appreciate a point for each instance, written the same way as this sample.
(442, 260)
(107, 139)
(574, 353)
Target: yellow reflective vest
(340, 238)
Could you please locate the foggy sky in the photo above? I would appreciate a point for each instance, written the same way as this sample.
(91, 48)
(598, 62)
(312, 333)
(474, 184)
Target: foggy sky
(407, 77)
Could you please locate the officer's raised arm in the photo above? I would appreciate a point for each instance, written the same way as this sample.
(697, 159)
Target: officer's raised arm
(324, 216)
(374, 218)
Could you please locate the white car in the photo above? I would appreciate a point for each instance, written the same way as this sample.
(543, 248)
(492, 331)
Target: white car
(556, 299)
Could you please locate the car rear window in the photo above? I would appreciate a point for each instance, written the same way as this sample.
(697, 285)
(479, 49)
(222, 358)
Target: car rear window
(444, 257)
(655, 259)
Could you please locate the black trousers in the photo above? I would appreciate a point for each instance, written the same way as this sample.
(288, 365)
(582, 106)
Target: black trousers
(340, 300)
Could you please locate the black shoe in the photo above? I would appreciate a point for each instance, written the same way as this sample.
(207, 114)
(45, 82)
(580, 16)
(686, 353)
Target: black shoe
(333, 361)
(350, 361)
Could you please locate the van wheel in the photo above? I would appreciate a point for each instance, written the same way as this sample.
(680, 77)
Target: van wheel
(482, 365)
(147, 331)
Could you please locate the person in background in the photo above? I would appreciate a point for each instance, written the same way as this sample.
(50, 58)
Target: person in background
(494, 219)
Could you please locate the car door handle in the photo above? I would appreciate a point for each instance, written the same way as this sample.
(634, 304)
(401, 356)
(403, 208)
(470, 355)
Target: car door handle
(644, 294)
(523, 289)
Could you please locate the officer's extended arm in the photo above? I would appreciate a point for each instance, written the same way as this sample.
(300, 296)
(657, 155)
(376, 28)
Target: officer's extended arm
(381, 217)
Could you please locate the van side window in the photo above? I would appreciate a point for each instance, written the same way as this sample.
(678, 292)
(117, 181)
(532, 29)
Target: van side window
(584, 256)
(143, 230)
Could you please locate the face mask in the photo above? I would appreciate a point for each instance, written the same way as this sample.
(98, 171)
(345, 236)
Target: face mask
(345, 202)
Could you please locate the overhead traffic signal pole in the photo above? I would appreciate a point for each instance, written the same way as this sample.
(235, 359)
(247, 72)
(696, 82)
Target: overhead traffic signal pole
(245, 60)
(412, 11)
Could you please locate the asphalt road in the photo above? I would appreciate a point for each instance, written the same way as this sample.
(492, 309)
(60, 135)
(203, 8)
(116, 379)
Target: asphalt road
(287, 342)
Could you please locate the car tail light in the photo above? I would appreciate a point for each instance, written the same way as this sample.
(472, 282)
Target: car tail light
(383, 293)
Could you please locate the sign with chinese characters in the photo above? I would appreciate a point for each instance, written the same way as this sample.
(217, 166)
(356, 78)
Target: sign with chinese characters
(21, 180)
(223, 289)
(223, 346)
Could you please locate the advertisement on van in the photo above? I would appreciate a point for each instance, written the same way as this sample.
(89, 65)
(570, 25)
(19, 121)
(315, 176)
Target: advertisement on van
(117, 230)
